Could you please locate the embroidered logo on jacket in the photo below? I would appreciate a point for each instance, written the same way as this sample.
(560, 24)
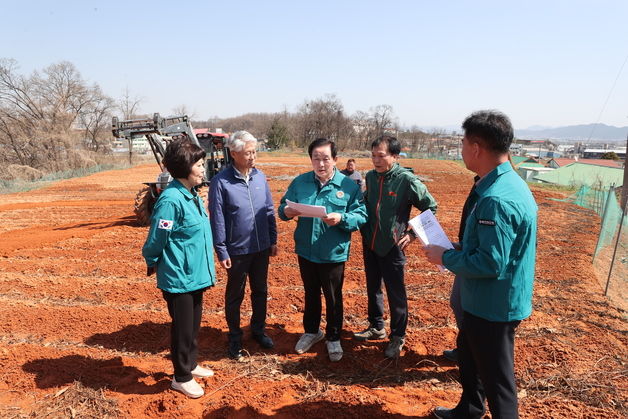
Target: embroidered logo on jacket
(165, 224)
(486, 222)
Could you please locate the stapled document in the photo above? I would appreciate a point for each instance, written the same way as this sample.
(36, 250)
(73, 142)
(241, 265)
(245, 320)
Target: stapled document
(429, 231)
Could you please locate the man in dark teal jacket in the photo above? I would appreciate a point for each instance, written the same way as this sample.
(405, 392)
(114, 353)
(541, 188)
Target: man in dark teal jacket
(322, 244)
(391, 192)
(496, 267)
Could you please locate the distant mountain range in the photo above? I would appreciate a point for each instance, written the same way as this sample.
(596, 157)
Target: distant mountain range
(571, 133)
(594, 132)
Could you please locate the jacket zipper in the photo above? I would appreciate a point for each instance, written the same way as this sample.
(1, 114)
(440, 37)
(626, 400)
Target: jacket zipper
(379, 201)
(253, 213)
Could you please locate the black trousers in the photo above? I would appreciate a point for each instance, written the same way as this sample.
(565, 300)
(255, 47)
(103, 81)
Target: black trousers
(329, 277)
(185, 310)
(487, 368)
(390, 269)
(255, 266)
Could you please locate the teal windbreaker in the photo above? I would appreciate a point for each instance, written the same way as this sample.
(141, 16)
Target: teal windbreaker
(498, 253)
(179, 242)
(315, 240)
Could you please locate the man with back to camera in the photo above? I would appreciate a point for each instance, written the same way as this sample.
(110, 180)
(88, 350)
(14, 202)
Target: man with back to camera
(391, 191)
(245, 235)
(496, 268)
(454, 298)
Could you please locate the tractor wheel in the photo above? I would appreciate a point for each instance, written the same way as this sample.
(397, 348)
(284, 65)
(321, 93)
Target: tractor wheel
(144, 203)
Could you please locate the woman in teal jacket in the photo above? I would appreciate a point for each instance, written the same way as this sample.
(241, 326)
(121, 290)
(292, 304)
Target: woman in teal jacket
(179, 249)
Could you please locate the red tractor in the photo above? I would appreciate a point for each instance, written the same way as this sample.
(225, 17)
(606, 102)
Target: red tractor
(159, 132)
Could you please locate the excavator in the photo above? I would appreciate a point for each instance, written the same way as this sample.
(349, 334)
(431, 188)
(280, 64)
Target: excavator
(159, 131)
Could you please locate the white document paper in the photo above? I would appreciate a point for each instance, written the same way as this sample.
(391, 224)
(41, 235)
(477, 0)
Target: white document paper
(429, 231)
(317, 211)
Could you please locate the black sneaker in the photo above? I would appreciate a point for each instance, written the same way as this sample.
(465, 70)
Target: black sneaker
(394, 347)
(444, 413)
(235, 350)
(451, 354)
(264, 341)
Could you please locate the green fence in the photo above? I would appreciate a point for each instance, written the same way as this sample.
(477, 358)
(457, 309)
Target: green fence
(610, 259)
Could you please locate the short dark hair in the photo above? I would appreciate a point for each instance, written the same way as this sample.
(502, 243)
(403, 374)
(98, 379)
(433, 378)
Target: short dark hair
(491, 128)
(180, 156)
(350, 161)
(319, 142)
(394, 147)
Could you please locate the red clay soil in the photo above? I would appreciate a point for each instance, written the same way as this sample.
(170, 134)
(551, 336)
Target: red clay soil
(76, 306)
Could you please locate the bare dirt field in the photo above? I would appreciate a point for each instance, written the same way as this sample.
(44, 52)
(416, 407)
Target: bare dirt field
(84, 333)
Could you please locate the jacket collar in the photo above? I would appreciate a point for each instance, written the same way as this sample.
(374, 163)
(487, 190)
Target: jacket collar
(184, 191)
(336, 179)
(485, 182)
(236, 173)
(392, 171)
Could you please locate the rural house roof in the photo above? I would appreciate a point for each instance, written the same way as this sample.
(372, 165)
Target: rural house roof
(577, 174)
(529, 164)
(517, 160)
(560, 162)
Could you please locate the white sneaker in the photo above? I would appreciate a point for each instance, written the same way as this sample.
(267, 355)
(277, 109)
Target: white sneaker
(307, 340)
(334, 350)
(201, 372)
(189, 388)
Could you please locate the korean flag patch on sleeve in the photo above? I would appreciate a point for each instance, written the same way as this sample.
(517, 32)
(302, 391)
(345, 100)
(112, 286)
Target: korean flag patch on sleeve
(165, 224)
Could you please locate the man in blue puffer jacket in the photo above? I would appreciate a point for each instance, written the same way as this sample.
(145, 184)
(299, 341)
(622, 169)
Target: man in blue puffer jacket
(245, 235)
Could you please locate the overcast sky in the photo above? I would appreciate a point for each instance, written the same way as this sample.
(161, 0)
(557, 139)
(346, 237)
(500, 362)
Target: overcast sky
(548, 63)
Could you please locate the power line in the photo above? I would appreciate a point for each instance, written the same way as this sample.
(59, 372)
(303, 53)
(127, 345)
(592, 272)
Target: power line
(607, 99)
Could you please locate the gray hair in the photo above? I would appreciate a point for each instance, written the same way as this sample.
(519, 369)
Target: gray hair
(239, 138)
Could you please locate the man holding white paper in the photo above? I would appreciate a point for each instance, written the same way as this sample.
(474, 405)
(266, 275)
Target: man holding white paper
(496, 267)
(322, 242)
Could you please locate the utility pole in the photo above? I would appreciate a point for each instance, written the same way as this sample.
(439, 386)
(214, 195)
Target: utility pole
(624, 189)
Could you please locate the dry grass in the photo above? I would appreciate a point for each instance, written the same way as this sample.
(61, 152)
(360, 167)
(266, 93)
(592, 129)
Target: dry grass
(312, 388)
(271, 367)
(76, 401)
(596, 388)
(24, 173)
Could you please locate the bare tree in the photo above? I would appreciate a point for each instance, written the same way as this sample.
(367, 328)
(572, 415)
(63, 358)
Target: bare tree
(40, 115)
(323, 117)
(257, 124)
(369, 125)
(183, 110)
(383, 119)
(96, 120)
(362, 127)
(129, 105)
